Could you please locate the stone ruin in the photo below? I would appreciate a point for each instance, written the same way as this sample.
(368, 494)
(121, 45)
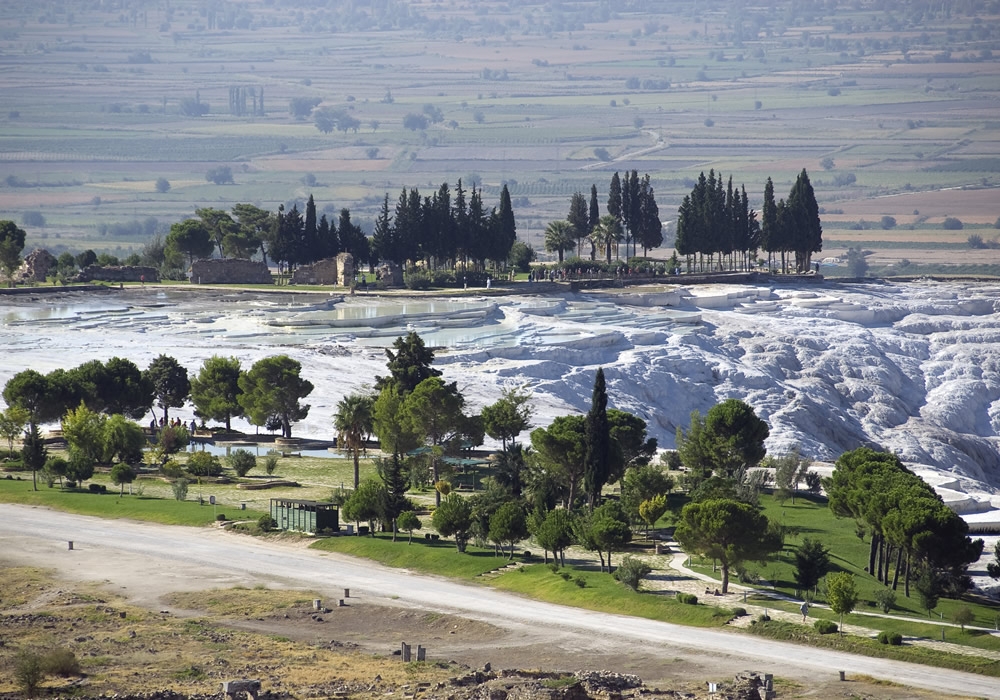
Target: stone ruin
(389, 273)
(230, 271)
(332, 271)
(120, 273)
(35, 267)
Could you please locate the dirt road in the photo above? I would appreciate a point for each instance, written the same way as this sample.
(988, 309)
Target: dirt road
(144, 562)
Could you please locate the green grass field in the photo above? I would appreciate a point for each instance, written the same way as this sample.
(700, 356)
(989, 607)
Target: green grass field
(810, 517)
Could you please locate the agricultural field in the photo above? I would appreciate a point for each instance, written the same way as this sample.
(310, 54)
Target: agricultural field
(890, 108)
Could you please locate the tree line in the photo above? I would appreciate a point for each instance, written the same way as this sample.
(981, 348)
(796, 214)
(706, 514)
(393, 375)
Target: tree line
(717, 222)
(268, 395)
(632, 218)
(440, 230)
(912, 532)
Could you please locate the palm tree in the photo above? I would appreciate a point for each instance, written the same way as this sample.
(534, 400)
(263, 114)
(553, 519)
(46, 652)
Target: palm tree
(608, 232)
(560, 236)
(353, 422)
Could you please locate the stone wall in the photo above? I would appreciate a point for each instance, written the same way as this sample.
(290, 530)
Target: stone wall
(230, 271)
(321, 272)
(125, 273)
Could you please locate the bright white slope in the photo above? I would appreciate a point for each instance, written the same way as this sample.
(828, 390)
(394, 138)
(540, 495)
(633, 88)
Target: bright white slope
(913, 368)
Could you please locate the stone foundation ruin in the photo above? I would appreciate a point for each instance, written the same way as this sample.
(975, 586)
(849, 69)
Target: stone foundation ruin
(230, 271)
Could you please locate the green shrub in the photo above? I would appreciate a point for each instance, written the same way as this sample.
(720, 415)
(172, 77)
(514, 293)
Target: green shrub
(687, 598)
(28, 672)
(892, 638)
(241, 461)
(763, 617)
(554, 567)
(739, 612)
(221, 517)
(580, 581)
(266, 523)
(204, 464)
(631, 571)
(61, 662)
(825, 626)
(97, 488)
(270, 464)
(180, 488)
(885, 599)
(566, 576)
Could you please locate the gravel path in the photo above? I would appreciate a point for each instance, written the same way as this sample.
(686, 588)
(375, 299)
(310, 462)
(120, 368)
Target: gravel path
(145, 561)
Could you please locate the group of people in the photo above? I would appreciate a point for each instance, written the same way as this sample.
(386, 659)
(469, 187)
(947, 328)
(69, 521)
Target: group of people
(155, 426)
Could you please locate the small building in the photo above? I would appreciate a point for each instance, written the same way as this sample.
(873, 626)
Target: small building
(304, 516)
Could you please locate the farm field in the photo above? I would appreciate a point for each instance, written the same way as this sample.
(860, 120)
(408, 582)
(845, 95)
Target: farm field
(891, 110)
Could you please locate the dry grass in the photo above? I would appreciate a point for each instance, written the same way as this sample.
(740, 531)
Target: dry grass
(144, 651)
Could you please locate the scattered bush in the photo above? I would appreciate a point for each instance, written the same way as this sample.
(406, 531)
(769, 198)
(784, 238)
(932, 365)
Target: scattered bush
(739, 612)
(270, 464)
(266, 523)
(687, 598)
(631, 571)
(952, 224)
(885, 599)
(61, 662)
(565, 575)
(241, 461)
(825, 626)
(763, 617)
(580, 581)
(221, 175)
(180, 489)
(97, 488)
(28, 672)
(554, 567)
(892, 638)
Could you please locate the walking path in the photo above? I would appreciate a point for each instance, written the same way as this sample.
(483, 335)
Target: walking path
(693, 582)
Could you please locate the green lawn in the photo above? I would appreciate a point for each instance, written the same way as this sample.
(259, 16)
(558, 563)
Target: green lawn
(603, 593)
(433, 557)
(110, 505)
(810, 517)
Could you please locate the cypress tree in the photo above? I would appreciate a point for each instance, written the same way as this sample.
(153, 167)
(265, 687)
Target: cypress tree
(804, 216)
(310, 245)
(382, 246)
(597, 462)
(650, 232)
(615, 197)
(579, 218)
(507, 232)
(769, 222)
